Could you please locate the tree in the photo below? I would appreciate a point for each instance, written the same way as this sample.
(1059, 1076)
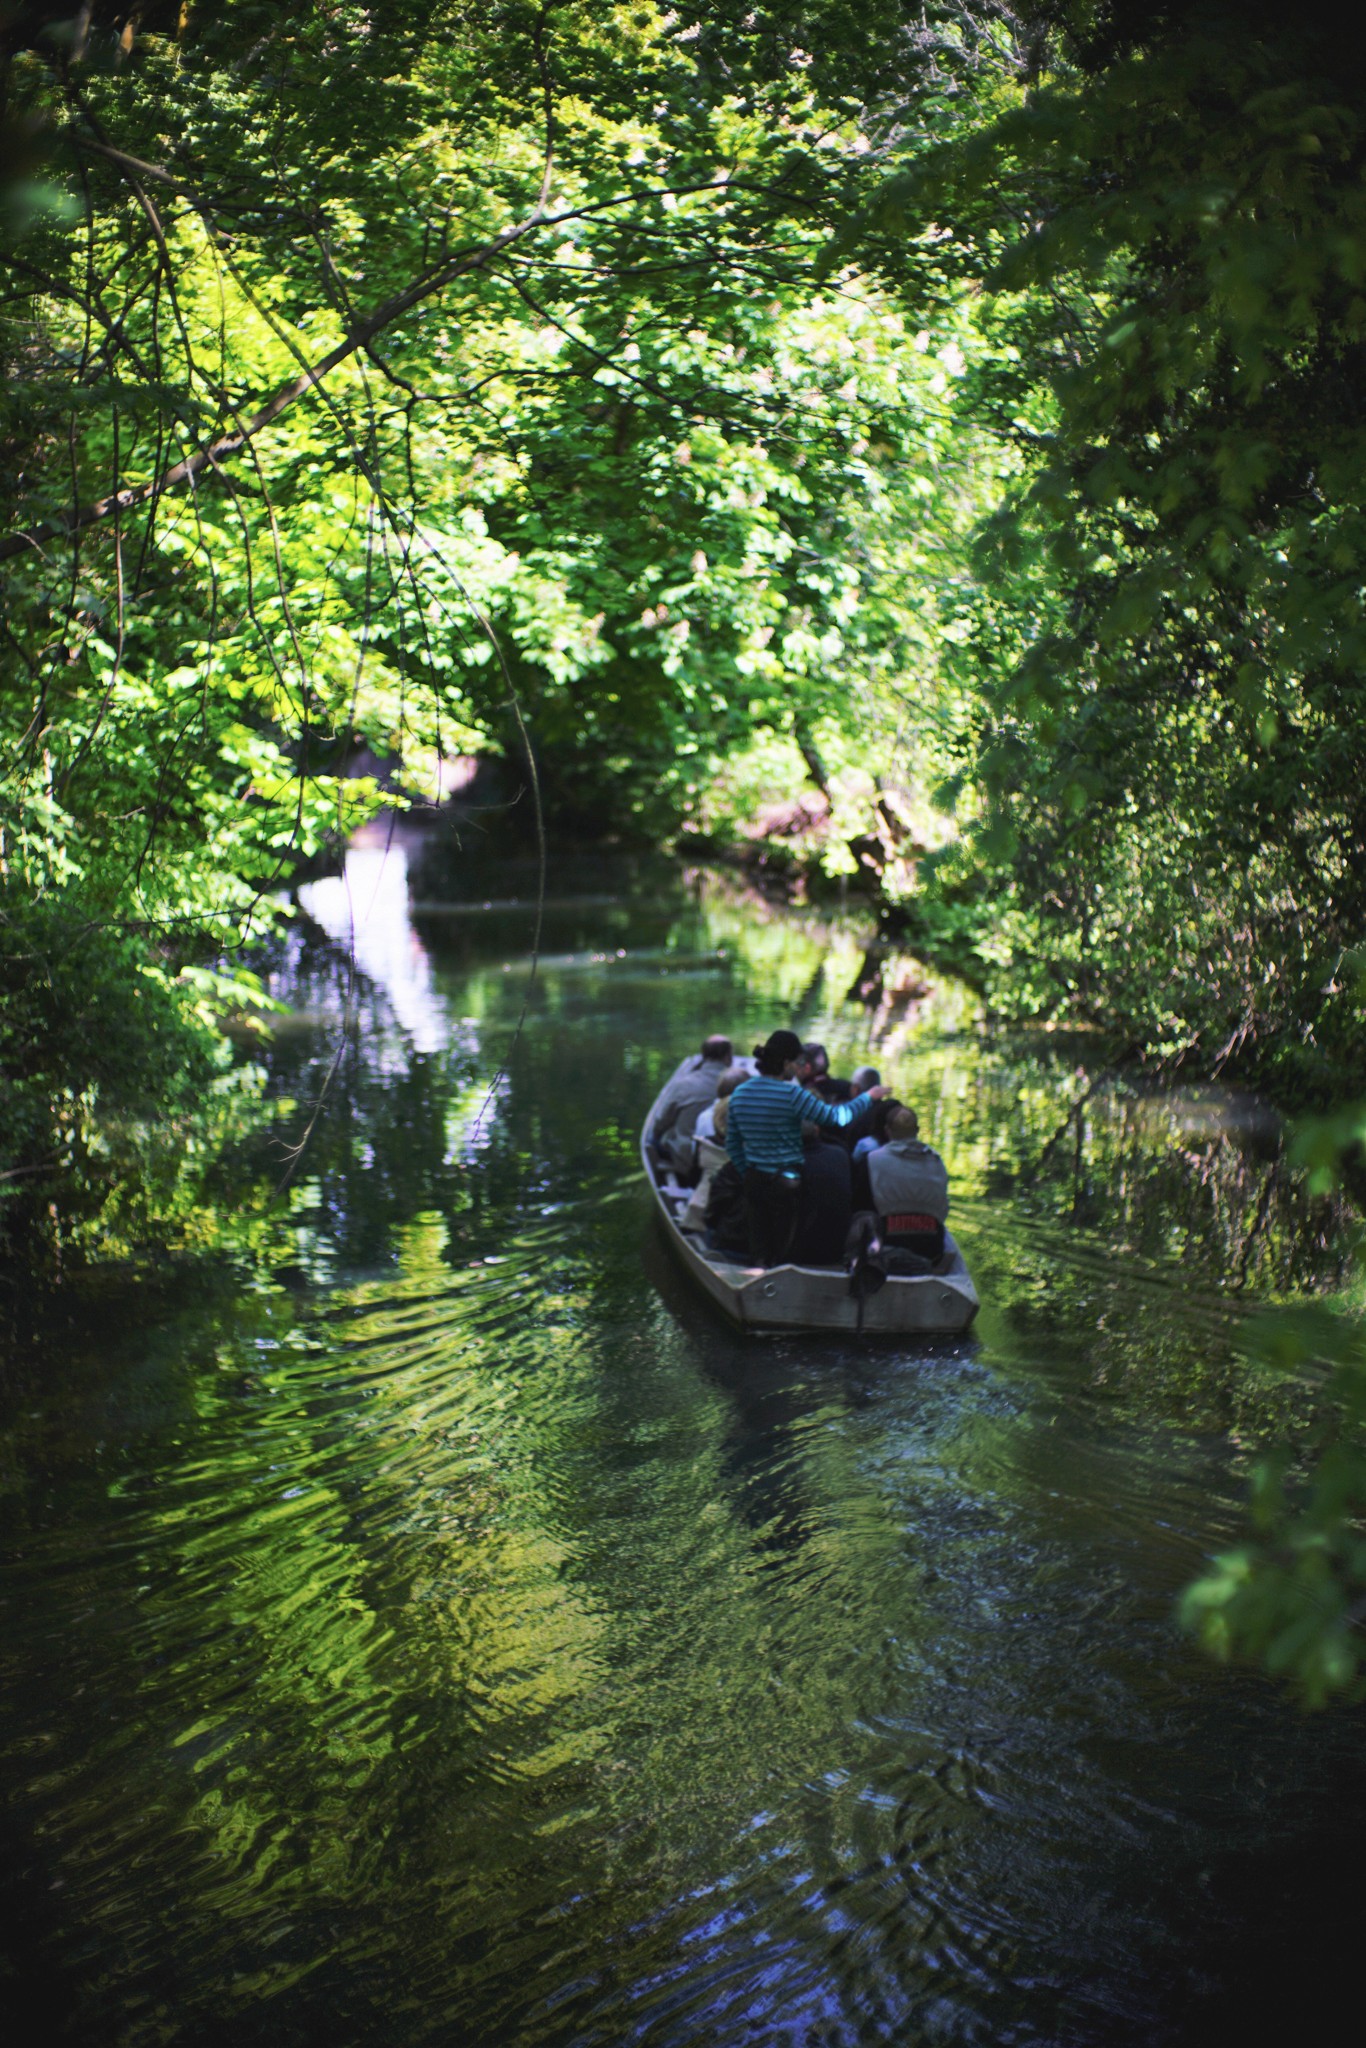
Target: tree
(438, 378)
(1168, 221)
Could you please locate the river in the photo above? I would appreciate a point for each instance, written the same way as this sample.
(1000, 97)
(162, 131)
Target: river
(425, 1622)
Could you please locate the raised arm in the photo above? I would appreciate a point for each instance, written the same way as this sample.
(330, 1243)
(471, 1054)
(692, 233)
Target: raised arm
(835, 1115)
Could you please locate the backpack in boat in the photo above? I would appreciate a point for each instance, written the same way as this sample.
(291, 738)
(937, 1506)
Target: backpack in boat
(871, 1261)
(912, 1233)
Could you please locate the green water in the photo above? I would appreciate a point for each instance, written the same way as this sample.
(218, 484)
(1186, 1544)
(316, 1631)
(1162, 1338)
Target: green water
(432, 1625)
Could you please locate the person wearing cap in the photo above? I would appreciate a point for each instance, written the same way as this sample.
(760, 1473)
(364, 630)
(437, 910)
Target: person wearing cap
(764, 1140)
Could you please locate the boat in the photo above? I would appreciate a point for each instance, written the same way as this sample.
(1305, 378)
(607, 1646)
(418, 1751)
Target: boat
(941, 1302)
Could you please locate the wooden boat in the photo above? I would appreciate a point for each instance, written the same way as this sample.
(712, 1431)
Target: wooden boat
(810, 1297)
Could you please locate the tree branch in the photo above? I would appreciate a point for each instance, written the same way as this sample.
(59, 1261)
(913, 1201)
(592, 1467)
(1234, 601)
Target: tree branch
(228, 445)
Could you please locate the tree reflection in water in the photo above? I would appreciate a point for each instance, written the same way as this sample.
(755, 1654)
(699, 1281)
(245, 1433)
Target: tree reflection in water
(439, 1627)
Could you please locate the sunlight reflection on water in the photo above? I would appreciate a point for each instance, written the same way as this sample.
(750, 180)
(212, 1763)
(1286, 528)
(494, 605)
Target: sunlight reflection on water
(365, 909)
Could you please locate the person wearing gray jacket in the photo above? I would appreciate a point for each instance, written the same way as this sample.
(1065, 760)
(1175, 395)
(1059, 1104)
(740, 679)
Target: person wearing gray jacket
(683, 1101)
(910, 1185)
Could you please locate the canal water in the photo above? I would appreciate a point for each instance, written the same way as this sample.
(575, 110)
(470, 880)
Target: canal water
(425, 1622)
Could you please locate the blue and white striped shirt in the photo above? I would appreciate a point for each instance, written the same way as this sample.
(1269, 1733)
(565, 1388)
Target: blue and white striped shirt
(764, 1128)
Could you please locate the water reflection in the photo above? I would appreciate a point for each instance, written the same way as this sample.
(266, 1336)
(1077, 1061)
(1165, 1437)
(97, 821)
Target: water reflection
(364, 910)
(1191, 1179)
(470, 1639)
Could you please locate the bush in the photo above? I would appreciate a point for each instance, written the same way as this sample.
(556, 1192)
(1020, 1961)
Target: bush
(93, 1026)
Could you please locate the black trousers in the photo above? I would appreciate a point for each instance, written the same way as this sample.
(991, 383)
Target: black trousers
(773, 1211)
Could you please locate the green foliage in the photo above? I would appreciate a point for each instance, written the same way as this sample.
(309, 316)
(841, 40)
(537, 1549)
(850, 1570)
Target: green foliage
(93, 1035)
(416, 379)
(662, 394)
(1293, 1597)
(1167, 642)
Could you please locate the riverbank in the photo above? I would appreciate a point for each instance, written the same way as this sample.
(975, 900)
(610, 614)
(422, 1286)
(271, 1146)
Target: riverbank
(1304, 1053)
(406, 900)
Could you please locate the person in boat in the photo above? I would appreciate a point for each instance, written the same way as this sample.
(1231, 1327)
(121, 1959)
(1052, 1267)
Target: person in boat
(833, 1087)
(867, 1134)
(813, 1071)
(709, 1153)
(683, 1101)
(707, 1125)
(813, 1068)
(764, 1141)
(827, 1200)
(862, 1079)
(724, 1218)
(871, 1130)
(910, 1187)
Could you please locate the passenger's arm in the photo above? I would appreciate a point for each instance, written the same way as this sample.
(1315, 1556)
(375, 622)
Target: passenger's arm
(834, 1115)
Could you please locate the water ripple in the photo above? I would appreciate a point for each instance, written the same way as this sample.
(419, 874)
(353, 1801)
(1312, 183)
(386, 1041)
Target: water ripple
(495, 1649)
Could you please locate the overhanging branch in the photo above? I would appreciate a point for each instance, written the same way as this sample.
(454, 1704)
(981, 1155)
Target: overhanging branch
(228, 445)
(359, 337)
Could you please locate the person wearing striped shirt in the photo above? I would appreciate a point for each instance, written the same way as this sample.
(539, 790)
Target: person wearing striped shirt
(764, 1140)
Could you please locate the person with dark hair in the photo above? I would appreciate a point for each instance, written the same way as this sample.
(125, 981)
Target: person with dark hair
(781, 1055)
(873, 1127)
(813, 1072)
(764, 1141)
(861, 1078)
(813, 1064)
(683, 1101)
(867, 1134)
